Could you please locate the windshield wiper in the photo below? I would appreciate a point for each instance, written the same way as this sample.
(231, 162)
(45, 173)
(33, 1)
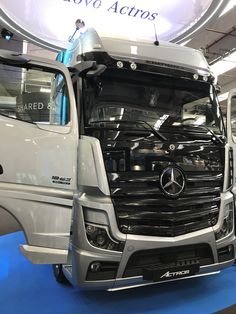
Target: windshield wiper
(155, 132)
(215, 138)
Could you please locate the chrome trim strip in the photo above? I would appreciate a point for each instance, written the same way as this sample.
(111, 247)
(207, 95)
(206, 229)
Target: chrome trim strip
(159, 282)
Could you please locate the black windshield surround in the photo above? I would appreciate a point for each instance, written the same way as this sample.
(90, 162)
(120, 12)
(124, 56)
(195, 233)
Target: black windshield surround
(167, 104)
(135, 158)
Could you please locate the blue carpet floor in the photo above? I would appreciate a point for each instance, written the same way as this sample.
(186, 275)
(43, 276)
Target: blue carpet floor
(31, 289)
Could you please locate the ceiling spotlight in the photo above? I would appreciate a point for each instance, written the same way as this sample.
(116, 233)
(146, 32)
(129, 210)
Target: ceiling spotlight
(7, 35)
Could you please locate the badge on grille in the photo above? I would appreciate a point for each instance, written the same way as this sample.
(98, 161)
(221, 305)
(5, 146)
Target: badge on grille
(172, 181)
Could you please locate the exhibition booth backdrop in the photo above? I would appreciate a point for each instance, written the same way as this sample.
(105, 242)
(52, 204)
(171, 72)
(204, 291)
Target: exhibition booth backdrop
(49, 23)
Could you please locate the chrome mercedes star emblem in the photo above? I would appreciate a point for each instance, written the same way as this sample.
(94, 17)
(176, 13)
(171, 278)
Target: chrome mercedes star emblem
(172, 181)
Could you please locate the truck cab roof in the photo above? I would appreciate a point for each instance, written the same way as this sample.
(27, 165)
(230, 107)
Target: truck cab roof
(165, 53)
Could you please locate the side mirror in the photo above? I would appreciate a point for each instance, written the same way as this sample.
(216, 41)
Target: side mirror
(89, 68)
(98, 71)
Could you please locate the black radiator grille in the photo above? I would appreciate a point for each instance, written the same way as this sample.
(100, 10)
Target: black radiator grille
(142, 208)
(136, 160)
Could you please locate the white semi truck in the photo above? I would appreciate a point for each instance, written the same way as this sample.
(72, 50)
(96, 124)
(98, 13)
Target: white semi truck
(117, 167)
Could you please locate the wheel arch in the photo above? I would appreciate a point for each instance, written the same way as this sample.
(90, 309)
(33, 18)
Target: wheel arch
(8, 222)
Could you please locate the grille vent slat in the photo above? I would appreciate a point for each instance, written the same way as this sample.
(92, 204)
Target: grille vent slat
(142, 208)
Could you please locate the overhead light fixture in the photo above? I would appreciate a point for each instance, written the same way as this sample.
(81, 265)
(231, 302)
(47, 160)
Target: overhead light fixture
(6, 34)
(185, 42)
(228, 7)
(45, 90)
(223, 97)
(224, 65)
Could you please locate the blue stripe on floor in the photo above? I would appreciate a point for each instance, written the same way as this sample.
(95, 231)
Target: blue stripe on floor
(31, 289)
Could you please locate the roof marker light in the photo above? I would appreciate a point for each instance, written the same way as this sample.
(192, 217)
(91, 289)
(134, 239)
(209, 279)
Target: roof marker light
(133, 66)
(119, 64)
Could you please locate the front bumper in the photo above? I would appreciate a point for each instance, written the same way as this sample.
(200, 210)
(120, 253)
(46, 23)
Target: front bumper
(83, 259)
(83, 254)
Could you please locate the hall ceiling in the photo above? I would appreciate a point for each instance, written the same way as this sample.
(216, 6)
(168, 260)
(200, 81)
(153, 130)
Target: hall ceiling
(216, 40)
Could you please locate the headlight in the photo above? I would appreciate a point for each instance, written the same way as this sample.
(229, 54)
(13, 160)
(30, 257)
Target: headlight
(228, 222)
(99, 237)
(230, 170)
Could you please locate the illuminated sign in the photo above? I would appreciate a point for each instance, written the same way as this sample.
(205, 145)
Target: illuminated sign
(51, 22)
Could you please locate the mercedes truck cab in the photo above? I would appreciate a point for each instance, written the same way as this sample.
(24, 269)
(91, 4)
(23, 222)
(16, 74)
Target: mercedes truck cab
(116, 163)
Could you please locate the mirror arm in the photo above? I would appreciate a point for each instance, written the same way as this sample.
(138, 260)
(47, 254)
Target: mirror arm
(88, 68)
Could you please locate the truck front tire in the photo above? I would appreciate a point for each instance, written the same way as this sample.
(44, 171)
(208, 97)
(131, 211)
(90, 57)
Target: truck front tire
(58, 273)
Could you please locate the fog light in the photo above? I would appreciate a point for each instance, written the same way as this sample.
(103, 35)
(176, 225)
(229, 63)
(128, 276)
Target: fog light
(225, 253)
(230, 249)
(95, 267)
(99, 237)
(228, 223)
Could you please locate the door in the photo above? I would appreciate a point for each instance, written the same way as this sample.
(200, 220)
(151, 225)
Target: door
(38, 159)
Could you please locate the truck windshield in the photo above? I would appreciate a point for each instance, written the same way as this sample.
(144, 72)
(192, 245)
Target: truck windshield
(166, 104)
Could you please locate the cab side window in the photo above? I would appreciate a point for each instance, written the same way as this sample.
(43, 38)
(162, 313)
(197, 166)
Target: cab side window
(33, 95)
